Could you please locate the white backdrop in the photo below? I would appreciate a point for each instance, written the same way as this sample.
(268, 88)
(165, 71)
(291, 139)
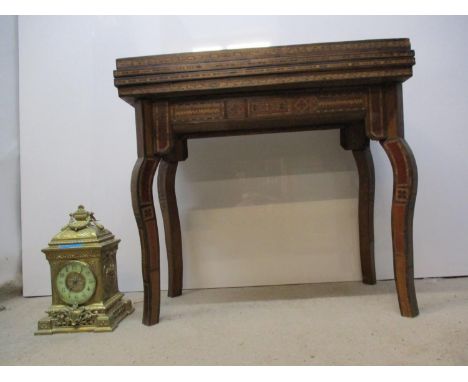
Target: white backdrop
(10, 231)
(285, 211)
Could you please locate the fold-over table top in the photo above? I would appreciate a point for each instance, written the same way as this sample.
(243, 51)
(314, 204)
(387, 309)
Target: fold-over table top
(256, 69)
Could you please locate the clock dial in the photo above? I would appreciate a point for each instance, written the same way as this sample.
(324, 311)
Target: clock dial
(75, 283)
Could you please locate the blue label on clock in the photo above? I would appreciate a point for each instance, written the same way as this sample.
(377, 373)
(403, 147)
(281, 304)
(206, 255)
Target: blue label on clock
(71, 245)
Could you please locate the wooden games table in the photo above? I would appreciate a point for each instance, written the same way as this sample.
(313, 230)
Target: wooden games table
(352, 86)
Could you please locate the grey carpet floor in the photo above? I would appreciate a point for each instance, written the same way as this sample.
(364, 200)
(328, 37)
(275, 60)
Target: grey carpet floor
(315, 324)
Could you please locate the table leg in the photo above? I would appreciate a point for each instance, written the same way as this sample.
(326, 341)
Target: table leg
(143, 208)
(405, 182)
(353, 137)
(365, 165)
(170, 214)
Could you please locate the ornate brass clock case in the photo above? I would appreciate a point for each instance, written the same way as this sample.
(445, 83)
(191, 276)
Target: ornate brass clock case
(85, 294)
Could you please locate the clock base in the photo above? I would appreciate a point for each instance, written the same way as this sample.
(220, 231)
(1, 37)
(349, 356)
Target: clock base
(90, 318)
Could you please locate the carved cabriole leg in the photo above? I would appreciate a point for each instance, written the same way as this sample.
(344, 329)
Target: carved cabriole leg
(143, 207)
(170, 214)
(168, 203)
(353, 138)
(385, 123)
(365, 165)
(405, 179)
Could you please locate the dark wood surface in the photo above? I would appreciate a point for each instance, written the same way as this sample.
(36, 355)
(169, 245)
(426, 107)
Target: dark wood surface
(170, 214)
(352, 86)
(354, 138)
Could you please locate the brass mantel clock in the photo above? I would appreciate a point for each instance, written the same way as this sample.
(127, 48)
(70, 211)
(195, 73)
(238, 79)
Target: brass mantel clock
(85, 294)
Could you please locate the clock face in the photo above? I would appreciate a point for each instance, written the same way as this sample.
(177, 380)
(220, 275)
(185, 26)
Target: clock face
(75, 283)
